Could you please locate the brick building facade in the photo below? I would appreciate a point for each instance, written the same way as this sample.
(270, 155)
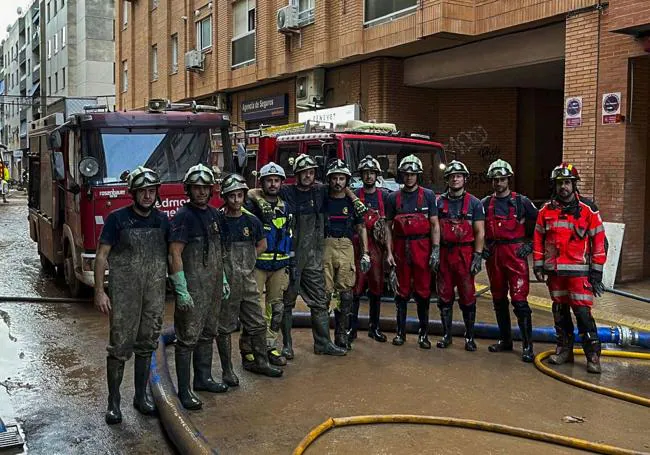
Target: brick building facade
(487, 78)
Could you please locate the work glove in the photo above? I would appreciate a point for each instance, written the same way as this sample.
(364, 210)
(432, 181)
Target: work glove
(360, 208)
(434, 260)
(267, 210)
(184, 300)
(538, 270)
(226, 287)
(393, 283)
(524, 250)
(487, 251)
(364, 263)
(596, 281)
(292, 269)
(477, 263)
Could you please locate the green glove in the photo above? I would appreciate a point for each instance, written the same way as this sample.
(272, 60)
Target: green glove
(226, 287)
(359, 207)
(184, 300)
(267, 210)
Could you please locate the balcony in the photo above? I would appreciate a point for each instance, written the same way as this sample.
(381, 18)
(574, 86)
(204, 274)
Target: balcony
(21, 24)
(36, 75)
(22, 56)
(23, 115)
(35, 12)
(23, 86)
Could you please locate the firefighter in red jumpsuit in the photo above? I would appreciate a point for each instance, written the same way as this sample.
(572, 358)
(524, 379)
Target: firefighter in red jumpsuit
(506, 248)
(569, 246)
(462, 223)
(413, 246)
(375, 219)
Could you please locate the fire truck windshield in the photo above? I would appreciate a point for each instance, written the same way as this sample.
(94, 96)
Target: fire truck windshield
(170, 152)
(389, 154)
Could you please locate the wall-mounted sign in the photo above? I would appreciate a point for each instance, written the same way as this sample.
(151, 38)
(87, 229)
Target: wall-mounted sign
(611, 108)
(263, 108)
(335, 115)
(573, 112)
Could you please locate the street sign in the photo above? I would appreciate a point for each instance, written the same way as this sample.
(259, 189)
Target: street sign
(573, 112)
(611, 110)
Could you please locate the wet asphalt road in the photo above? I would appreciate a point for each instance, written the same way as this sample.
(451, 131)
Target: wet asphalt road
(52, 381)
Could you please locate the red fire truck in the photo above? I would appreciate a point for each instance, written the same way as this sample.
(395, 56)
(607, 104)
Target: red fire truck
(349, 142)
(77, 173)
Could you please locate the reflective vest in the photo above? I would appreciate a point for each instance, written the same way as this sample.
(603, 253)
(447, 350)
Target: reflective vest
(569, 243)
(278, 241)
(456, 231)
(505, 229)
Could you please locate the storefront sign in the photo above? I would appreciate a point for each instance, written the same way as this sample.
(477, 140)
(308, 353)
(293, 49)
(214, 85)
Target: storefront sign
(573, 112)
(335, 115)
(264, 108)
(611, 108)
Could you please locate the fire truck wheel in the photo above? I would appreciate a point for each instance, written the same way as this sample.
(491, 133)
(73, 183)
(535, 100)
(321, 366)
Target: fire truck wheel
(46, 265)
(75, 286)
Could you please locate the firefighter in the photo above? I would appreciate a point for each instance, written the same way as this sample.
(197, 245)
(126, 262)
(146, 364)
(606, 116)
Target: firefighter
(4, 180)
(339, 259)
(272, 266)
(134, 240)
(506, 250)
(196, 272)
(413, 246)
(306, 200)
(243, 239)
(375, 221)
(462, 223)
(569, 246)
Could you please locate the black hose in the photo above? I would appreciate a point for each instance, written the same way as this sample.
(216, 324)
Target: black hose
(33, 299)
(628, 294)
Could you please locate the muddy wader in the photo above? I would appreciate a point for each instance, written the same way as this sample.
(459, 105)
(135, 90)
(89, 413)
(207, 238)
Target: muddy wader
(309, 283)
(136, 286)
(196, 328)
(243, 304)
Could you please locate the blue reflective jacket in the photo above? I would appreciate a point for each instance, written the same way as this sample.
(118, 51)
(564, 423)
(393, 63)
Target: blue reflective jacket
(278, 241)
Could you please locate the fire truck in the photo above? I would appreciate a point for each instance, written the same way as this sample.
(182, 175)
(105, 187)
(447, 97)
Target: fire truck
(350, 142)
(78, 168)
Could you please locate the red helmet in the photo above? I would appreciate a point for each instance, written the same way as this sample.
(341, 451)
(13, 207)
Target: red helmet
(565, 171)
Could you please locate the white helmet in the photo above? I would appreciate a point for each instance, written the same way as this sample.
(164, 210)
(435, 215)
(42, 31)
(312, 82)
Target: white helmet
(369, 163)
(410, 164)
(272, 169)
(232, 183)
(199, 175)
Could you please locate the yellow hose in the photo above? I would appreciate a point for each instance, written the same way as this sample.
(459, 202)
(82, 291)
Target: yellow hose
(638, 399)
(565, 441)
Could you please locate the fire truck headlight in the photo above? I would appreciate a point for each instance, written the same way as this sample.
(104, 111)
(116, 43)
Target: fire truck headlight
(89, 167)
(442, 166)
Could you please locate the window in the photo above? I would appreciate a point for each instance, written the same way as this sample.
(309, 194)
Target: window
(125, 76)
(377, 11)
(49, 85)
(56, 43)
(54, 13)
(243, 39)
(204, 34)
(154, 62)
(174, 53)
(63, 78)
(56, 82)
(49, 49)
(48, 11)
(305, 11)
(62, 4)
(125, 13)
(63, 33)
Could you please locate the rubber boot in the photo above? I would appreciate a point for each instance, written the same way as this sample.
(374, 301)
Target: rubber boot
(446, 317)
(373, 321)
(320, 327)
(591, 346)
(564, 335)
(140, 378)
(525, 322)
(114, 375)
(469, 318)
(188, 399)
(347, 302)
(203, 370)
(287, 345)
(276, 358)
(224, 345)
(353, 323)
(260, 365)
(400, 305)
(423, 318)
(502, 313)
(340, 336)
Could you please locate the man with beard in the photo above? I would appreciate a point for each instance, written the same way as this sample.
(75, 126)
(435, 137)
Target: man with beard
(272, 266)
(307, 278)
(242, 236)
(375, 221)
(196, 272)
(134, 240)
(462, 236)
(569, 246)
(506, 249)
(339, 260)
(413, 246)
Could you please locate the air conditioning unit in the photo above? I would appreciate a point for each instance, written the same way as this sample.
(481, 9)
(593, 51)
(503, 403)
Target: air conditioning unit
(194, 60)
(221, 101)
(287, 19)
(310, 88)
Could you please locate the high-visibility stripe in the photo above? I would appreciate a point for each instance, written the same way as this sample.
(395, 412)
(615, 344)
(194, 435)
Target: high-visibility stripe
(270, 257)
(559, 293)
(576, 267)
(538, 263)
(596, 230)
(562, 224)
(540, 229)
(598, 267)
(575, 296)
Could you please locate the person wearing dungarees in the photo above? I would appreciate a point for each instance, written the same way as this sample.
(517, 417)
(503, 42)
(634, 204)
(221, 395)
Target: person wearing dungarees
(133, 242)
